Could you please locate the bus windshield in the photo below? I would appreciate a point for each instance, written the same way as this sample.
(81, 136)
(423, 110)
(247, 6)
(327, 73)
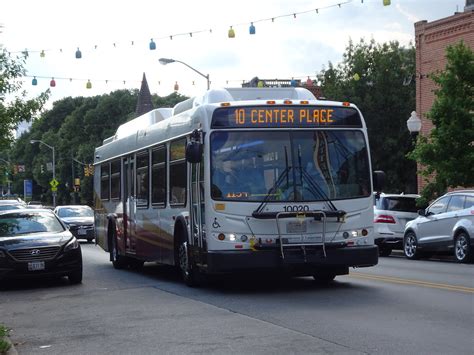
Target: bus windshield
(291, 166)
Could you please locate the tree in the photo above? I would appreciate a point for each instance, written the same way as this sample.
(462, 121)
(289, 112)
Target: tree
(16, 108)
(75, 126)
(378, 79)
(446, 155)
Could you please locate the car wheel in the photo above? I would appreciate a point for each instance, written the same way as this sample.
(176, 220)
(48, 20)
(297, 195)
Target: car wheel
(191, 276)
(385, 251)
(410, 246)
(118, 261)
(75, 277)
(462, 248)
(324, 278)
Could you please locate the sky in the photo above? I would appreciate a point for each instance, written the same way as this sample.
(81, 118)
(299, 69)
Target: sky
(114, 38)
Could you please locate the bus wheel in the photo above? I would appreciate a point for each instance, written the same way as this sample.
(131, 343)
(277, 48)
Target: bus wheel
(118, 261)
(190, 275)
(324, 278)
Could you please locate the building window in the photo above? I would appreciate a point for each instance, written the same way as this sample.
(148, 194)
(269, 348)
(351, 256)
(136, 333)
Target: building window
(142, 179)
(178, 172)
(104, 181)
(115, 180)
(158, 176)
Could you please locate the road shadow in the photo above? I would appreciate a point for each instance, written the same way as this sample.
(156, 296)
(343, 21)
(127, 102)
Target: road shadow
(37, 283)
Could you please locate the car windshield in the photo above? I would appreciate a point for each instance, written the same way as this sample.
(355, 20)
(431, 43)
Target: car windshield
(396, 203)
(11, 207)
(17, 223)
(75, 212)
(290, 165)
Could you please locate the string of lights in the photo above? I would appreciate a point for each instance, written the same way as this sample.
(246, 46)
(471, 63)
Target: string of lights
(153, 40)
(152, 46)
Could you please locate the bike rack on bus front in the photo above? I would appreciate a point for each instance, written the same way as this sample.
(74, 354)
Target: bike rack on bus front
(316, 215)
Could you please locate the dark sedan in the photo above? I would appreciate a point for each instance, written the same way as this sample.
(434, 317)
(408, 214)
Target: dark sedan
(34, 243)
(79, 219)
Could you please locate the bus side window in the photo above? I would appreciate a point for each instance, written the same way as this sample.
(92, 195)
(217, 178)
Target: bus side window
(178, 172)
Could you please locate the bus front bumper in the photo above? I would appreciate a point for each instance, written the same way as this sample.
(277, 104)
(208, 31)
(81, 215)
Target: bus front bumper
(296, 259)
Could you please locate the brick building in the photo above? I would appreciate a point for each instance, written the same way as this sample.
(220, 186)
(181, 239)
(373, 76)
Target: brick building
(431, 40)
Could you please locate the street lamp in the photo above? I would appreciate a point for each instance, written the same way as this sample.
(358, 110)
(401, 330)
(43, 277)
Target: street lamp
(165, 61)
(33, 141)
(414, 124)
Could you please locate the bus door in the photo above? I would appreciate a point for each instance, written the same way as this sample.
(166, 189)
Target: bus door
(129, 204)
(197, 207)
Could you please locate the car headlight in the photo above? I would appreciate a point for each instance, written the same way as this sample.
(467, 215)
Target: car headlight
(72, 244)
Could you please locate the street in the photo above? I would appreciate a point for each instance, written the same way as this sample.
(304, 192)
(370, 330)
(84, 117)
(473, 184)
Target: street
(399, 306)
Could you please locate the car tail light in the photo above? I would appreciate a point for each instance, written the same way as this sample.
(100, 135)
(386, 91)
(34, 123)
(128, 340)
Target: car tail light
(383, 218)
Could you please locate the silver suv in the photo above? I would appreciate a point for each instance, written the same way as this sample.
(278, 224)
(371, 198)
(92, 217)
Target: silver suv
(447, 225)
(391, 213)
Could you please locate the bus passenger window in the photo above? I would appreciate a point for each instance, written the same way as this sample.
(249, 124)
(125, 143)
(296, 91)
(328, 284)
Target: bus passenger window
(178, 170)
(142, 179)
(104, 181)
(115, 180)
(158, 176)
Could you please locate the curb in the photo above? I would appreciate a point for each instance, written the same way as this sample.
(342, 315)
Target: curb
(12, 350)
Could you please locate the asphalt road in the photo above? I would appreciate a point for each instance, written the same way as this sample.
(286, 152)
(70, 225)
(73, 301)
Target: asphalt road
(399, 306)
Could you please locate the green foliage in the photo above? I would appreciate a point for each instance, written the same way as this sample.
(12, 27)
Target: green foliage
(14, 107)
(378, 79)
(4, 345)
(75, 127)
(446, 156)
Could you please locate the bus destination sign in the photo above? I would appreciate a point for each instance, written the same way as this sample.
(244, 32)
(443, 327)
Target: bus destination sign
(285, 117)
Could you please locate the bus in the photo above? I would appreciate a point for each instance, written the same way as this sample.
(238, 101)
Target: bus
(240, 179)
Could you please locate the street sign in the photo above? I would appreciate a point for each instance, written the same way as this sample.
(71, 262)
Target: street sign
(27, 188)
(54, 184)
(54, 189)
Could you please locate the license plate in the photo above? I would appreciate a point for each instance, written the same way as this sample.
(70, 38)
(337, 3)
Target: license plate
(296, 227)
(36, 265)
(81, 232)
(312, 239)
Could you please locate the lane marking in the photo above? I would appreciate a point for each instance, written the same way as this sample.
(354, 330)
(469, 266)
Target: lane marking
(412, 282)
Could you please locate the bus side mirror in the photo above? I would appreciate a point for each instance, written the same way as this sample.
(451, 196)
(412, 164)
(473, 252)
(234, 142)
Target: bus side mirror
(379, 180)
(193, 152)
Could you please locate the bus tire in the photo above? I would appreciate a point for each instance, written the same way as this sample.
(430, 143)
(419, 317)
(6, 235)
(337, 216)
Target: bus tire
(189, 273)
(118, 261)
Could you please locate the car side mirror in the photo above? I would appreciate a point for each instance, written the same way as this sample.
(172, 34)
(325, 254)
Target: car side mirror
(421, 212)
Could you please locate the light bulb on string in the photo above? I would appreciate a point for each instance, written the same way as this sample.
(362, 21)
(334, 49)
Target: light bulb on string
(231, 32)
(34, 82)
(356, 77)
(386, 2)
(293, 82)
(78, 54)
(42, 54)
(152, 45)
(88, 84)
(176, 86)
(309, 82)
(252, 29)
(52, 83)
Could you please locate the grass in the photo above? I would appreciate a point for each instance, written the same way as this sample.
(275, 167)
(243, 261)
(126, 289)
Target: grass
(4, 345)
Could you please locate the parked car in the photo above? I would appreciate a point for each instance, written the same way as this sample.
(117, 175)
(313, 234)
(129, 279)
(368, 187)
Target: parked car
(447, 225)
(34, 242)
(11, 204)
(79, 219)
(391, 213)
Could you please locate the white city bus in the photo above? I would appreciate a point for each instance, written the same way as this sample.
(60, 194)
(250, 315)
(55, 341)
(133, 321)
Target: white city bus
(240, 179)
